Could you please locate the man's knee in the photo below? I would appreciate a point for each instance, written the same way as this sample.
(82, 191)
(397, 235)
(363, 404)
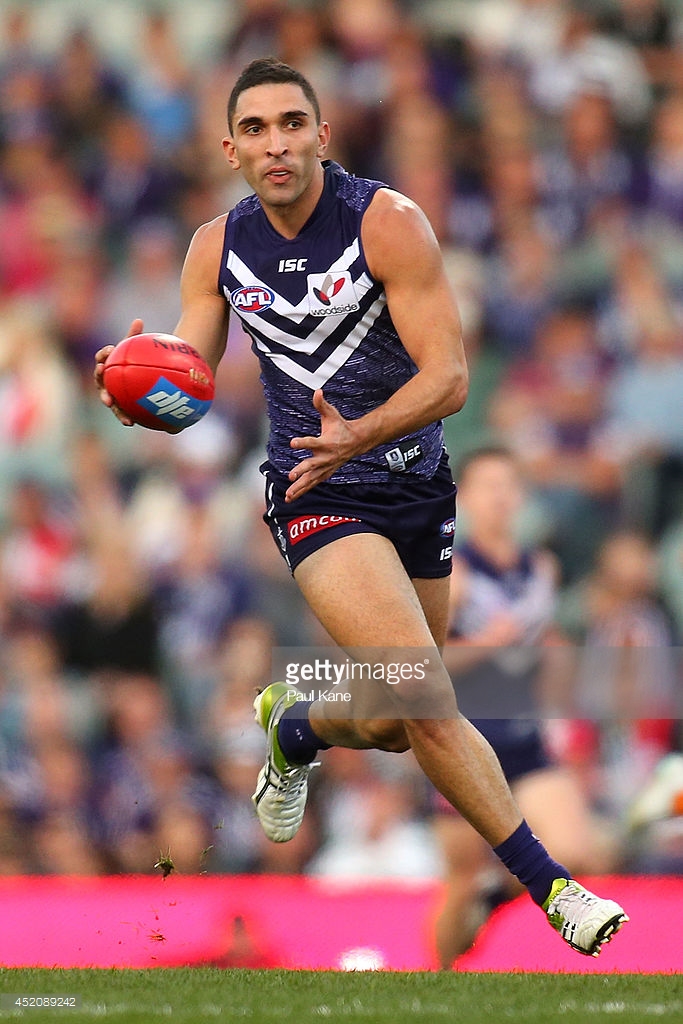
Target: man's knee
(384, 734)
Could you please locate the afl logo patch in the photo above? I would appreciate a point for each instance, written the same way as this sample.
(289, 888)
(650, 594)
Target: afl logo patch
(252, 299)
(447, 528)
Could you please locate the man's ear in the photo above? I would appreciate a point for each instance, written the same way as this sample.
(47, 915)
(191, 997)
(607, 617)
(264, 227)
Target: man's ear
(323, 138)
(231, 153)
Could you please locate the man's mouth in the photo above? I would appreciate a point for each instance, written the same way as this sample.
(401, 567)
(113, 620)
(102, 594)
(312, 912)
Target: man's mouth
(279, 174)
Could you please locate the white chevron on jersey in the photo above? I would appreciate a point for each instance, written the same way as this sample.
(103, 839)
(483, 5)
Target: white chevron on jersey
(281, 306)
(323, 328)
(334, 361)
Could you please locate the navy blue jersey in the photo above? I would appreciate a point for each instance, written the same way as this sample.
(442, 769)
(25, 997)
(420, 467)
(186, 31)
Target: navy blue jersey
(318, 319)
(525, 591)
(504, 684)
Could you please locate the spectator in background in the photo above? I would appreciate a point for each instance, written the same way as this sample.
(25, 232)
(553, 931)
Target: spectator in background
(256, 31)
(587, 171)
(130, 181)
(550, 409)
(160, 86)
(658, 188)
(650, 27)
(197, 598)
(388, 839)
(84, 92)
(37, 553)
(520, 288)
(587, 57)
(416, 123)
(362, 33)
(145, 770)
(644, 402)
(148, 279)
(43, 706)
(637, 299)
(114, 624)
(627, 687)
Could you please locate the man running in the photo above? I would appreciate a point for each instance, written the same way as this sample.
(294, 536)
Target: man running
(340, 283)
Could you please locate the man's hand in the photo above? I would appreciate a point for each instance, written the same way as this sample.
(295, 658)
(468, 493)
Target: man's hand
(100, 359)
(335, 445)
(502, 630)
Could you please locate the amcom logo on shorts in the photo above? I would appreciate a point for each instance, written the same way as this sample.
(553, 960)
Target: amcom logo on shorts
(304, 526)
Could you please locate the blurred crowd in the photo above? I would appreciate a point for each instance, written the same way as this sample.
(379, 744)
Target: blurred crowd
(140, 593)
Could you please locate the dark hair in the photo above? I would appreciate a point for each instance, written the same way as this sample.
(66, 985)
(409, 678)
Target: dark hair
(488, 451)
(270, 71)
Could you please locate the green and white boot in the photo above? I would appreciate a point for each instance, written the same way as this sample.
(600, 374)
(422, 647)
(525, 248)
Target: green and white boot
(281, 788)
(585, 921)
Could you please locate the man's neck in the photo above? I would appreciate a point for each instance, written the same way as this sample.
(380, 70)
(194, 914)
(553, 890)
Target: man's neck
(289, 219)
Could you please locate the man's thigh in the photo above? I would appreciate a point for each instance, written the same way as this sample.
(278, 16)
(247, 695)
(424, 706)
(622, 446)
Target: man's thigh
(359, 590)
(433, 595)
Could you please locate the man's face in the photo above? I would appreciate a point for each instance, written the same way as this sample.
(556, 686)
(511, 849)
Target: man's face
(491, 494)
(276, 142)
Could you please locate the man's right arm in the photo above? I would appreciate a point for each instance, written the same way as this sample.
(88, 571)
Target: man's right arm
(204, 318)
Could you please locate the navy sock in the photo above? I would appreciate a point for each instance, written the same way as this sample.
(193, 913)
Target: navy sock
(527, 858)
(295, 734)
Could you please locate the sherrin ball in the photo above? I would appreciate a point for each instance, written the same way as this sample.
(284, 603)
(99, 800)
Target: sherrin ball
(160, 381)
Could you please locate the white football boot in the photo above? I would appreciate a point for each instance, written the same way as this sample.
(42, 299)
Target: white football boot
(585, 921)
(281, 788)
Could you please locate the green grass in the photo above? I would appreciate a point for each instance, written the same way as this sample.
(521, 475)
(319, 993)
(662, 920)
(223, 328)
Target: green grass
(190, 996)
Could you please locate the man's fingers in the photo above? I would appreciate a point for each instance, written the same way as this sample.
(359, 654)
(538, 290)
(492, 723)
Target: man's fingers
(304, 442)
(305, 476)
(321, 405)
(103, 354)
(101, 357)
(319, 400)
(98, 373)
(300, 487)
(137, 327)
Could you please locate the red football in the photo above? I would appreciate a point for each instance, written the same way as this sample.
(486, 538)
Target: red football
(160, 381)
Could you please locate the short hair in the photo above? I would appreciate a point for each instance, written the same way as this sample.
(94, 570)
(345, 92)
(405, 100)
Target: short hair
(270, 71)
(488, 451)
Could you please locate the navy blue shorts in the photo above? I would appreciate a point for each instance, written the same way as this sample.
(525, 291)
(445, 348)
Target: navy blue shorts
(417, 516)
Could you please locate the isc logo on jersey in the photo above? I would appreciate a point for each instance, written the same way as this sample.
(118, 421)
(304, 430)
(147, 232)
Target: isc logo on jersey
(331, 293)
(253, 299)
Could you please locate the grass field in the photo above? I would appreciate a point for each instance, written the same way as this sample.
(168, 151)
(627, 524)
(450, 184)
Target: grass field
(188, 996)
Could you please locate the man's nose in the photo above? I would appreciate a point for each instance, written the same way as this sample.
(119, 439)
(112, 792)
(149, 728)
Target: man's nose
(277, 143)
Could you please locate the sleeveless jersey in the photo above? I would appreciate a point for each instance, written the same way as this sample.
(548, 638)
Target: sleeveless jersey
(318, 319)
(503, 686)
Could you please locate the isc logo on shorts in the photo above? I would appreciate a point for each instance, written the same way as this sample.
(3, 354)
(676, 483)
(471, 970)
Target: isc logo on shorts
(304, 526)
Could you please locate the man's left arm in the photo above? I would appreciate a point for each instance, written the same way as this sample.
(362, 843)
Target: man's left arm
(402, 252)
